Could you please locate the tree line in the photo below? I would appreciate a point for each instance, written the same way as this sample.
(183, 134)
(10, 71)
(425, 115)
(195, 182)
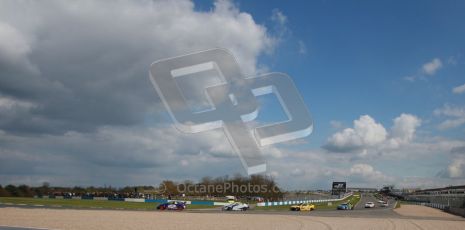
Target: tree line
(46, 190)
(239, 186)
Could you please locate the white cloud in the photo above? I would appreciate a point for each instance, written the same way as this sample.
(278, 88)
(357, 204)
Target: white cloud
(459, 89)
(457, 168)
(429, 68)
(432, 67)
(403, 130)
(451, 123)
(14, 47)
(279, 17)
(455, 114)
(450, 110)
(362, 169)
(367, 173)
(366, 132)
(161, 28)
(280, 24)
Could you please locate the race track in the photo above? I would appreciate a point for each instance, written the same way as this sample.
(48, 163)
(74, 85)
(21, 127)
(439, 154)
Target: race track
(407, 217)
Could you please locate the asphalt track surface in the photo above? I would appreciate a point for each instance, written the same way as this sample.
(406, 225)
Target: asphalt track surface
(359, 211)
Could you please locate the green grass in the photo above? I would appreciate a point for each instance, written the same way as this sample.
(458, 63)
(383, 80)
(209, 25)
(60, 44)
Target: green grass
(94, 204)
(355, 199)
(318, 206)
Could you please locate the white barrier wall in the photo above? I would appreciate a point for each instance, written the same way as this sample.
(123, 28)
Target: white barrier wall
(291, 202)
(220, 203)
(134, 200)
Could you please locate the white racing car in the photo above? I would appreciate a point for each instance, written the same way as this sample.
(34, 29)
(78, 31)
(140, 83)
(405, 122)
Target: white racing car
(237, 206)
(369, 205)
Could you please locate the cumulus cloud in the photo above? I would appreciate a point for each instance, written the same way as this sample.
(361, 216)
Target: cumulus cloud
(367, 173)
(456, 168)
(430, 68)
(92, 58)
(367, 133)
(404, 128)
(459, 89)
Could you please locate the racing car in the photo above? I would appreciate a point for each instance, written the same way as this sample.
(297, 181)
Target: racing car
(172, 205)
(303, 207)
(344, 206)
(369, 205)
(236, 206)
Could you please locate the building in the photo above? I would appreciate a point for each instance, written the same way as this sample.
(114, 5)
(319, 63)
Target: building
(362, 189)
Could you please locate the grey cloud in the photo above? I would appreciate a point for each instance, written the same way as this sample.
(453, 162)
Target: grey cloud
(143, 152)
(92, 59)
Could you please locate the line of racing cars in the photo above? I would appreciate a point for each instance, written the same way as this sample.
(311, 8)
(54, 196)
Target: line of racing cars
(234, 206)
(238, 206)
(181, 205)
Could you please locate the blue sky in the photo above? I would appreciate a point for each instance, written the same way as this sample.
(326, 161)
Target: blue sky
(384, 82)
(359, 54)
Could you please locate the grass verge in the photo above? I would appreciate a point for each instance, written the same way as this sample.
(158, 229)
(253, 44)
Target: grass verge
(93, 204)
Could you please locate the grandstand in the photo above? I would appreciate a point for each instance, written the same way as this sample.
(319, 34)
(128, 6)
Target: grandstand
(451, 198)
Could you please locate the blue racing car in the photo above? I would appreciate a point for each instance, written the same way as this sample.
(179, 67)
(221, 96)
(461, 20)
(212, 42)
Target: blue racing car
(345, 206)
(172, 205)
